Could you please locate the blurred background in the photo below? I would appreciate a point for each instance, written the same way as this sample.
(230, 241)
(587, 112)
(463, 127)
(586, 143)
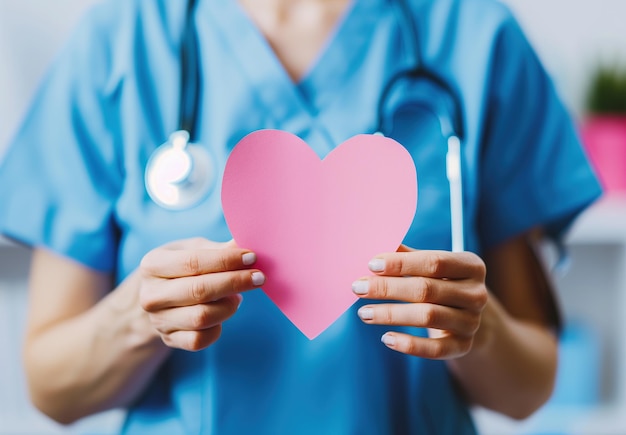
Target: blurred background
(582, 43)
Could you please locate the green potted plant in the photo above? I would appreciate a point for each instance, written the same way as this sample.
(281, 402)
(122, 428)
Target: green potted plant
(604, 127)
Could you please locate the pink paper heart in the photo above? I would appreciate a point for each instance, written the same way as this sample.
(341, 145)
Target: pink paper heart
(315, 224)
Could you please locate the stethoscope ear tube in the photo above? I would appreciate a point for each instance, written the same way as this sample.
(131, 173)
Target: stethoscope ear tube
(455, 180)
(190, 75)
(453, 156)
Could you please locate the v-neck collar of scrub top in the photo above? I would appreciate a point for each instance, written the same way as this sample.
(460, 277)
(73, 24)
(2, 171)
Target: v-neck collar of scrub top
(296, 106)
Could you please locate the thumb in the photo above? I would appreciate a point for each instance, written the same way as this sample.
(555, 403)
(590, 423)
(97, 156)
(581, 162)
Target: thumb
(230, 244)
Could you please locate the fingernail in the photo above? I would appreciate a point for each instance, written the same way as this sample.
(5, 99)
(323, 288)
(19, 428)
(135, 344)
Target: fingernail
(389, 340)
(366, 313)
(377, 265)
(240, 297)
(361, 287)
(258, 278)
(248, 258)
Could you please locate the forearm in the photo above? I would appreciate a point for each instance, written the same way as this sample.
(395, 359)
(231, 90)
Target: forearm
(512, 366)
(100, 359)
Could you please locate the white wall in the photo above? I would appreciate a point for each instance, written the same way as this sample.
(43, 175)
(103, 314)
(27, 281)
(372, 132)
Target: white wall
(571, 36)
(31, 32)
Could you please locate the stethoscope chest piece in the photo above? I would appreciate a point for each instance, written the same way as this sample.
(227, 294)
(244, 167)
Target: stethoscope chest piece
(179, 174)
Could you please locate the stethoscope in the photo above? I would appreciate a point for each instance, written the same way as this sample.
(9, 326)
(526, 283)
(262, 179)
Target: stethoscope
(180, 173)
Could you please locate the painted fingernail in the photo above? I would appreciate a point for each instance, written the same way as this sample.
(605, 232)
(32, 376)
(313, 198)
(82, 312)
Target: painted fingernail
(361, 287)
(258, 278)
(388, 340)
(366, 313)
(240, 297)
(248, 258)
(377, 265)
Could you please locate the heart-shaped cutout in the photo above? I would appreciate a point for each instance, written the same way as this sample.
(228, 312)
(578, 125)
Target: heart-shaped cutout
(315, 224)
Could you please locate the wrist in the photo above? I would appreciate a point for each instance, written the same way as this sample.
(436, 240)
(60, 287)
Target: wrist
(123, 316)
(492, 324)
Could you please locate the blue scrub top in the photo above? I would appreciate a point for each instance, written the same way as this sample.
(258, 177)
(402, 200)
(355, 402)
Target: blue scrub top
(73, 181)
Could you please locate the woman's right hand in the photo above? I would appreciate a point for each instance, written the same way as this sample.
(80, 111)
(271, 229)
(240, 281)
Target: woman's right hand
(190, 287)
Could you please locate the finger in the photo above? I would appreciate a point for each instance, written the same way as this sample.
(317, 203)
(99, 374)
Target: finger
(195, 317)
(445, 347)
(175, 263)
(459, 322)
(196, 243)
(193, 340)
(193, 290)
(433, 264)
(457, 294)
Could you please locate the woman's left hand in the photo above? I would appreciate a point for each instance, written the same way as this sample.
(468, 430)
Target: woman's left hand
(439, 290)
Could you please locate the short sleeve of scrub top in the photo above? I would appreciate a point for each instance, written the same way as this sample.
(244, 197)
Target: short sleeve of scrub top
(73, 182)
(534, 171)
(60, 177)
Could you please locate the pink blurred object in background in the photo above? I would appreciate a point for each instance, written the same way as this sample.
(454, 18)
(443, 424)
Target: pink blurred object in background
(604, 138)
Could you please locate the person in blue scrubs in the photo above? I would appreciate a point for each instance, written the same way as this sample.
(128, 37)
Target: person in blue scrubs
(157, 311)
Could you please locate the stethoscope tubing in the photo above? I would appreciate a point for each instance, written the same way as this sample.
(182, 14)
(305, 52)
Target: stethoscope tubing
(454, 174)
(190, 84)
(454, 133)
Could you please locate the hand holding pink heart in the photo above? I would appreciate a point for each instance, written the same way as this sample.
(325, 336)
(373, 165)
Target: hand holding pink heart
(314, 224)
